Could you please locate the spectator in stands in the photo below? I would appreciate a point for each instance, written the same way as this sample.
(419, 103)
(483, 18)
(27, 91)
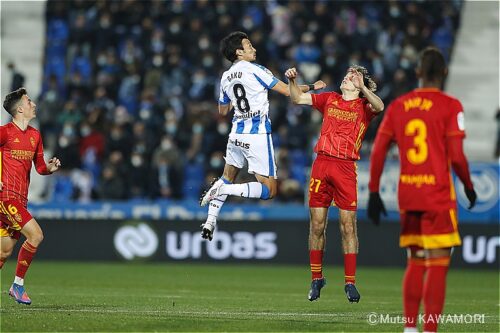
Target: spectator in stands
(120, 63)
(17, 80)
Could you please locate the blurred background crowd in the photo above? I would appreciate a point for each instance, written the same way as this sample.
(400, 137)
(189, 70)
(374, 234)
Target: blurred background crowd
(130, 88)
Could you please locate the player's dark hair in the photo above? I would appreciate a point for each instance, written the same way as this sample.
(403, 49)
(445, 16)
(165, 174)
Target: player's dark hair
(367, 80)
(231, 43)
(432, 64)
(11, 100)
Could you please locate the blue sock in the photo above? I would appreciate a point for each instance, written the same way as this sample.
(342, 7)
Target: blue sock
(265, 192)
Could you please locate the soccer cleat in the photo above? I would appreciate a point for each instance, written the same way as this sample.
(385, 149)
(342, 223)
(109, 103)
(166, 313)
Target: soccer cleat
(207, 230)
(212, 192)
(19, 294)
(352, 293)
(316, 286)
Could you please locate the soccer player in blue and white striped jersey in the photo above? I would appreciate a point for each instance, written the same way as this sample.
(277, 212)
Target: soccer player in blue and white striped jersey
(244, 89)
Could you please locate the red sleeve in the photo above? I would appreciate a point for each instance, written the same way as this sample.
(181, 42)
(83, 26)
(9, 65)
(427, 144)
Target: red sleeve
(454, 145)
(386, 124)
(377, 160)
(41, 166)
(367, 107)
(381, 145)
(319, 100)
(456, 125)
(3, 135)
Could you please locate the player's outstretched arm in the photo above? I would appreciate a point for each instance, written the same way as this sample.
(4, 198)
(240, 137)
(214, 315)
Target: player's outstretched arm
(283, 88)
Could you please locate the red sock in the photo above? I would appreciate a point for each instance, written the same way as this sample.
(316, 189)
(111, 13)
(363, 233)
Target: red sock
(350, 268)
(434, 291)
(24, 258)
(316, 261)
(413, 284)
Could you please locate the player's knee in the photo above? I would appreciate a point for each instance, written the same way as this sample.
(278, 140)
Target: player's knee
(36, 238)
(348, 229)
(317, 229)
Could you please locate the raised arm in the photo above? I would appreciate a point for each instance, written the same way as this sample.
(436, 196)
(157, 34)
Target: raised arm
(296, 94)
(375, 101)
(283, 88)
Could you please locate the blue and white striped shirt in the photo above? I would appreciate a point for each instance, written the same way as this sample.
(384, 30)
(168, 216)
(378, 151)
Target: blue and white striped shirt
(245, 86)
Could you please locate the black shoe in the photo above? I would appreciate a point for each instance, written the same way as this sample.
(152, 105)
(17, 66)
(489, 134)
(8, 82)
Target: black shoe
(207, 230)
(316, 286)
(352, 293)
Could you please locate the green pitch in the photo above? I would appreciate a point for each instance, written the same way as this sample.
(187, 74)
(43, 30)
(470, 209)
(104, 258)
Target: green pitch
(117, 297)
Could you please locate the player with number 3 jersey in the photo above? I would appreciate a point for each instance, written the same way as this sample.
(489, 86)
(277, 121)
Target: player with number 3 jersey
(244, 88)
(428, 127)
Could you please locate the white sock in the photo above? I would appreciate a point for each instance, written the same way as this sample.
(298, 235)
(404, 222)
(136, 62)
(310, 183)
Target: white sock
(214, 208)
(245, 190)
(19, 281)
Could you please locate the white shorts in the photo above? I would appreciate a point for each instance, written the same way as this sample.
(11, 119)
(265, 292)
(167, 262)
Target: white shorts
(256, 149)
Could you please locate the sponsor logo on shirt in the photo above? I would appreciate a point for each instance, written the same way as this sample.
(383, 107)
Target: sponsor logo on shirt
(20, 154)
(418, 180)
(342, 114)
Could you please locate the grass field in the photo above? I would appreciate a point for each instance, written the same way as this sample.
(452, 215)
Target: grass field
(116, 297)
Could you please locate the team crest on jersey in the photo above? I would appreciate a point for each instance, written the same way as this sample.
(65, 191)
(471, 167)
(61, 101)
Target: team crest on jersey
(18, 218)
(32, 140)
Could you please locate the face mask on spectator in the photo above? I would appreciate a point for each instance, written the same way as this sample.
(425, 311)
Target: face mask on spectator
(68, 131)
(197, 128)
(136, 161)
(63, 141)
(207, 61)
(85, 131)
(215, 162)
(171, 128)
(166, 144)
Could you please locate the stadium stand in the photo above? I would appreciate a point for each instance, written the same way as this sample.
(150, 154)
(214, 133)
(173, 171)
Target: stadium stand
(130, 88)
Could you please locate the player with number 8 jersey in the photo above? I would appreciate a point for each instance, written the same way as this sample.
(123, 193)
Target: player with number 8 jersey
(244, 88)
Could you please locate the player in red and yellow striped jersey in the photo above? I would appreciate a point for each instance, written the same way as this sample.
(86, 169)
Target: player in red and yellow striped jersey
(20, 147)
(428, 127)
(333, 176)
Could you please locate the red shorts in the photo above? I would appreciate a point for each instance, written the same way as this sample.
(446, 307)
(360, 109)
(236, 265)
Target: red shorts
(13, 217)
(429, 230)
(333, 179)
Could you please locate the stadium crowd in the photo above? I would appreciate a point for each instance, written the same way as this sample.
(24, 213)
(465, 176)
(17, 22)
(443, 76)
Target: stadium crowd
(129, 97)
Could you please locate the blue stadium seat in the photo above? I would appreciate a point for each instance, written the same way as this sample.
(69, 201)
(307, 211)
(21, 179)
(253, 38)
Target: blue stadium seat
(57, 29)
(193, 179)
